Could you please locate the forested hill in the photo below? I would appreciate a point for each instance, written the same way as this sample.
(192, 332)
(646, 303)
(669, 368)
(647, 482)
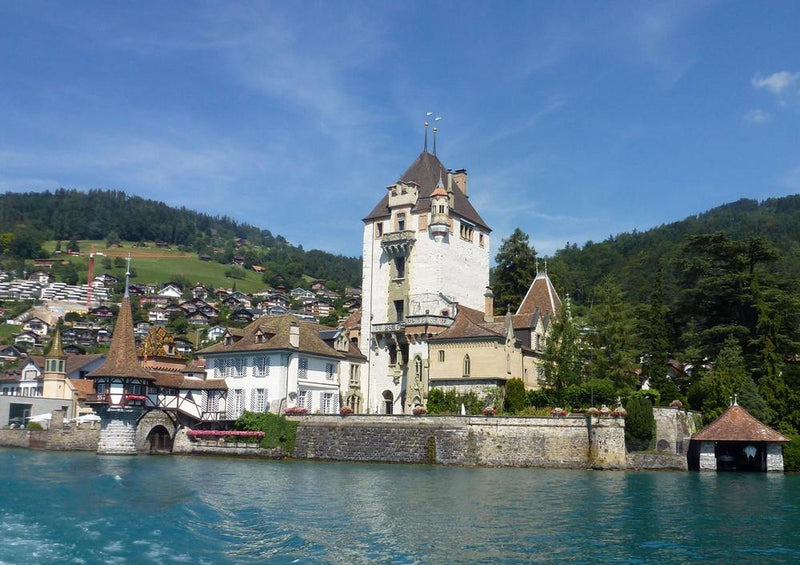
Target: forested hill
(633, 258)
(34, 217)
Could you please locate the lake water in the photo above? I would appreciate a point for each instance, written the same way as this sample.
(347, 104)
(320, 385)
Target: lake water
(83, 508)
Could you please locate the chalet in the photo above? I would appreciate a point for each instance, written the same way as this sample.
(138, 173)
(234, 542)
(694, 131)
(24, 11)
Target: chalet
(301, 294)
(157, 315)
(40, 277)
(106, 280)
(155, 300)
(318, 308)
(69, 336)
(162, 244)
(137, 290)
(232, 302)
(199, 291)
(221, 294)
(102, 312)
(37, 326)
(205, 257)
(215, 333)
(199, 318)
(351, 291)
(242, 315)
(736, 441)
(275, 311)
(140, 329)
(183, 347)
(328, 295)
(238, 260)
(318, 285)
(276, 299)
(74, 349)
(258, 268)
(27, 340)
(173, 310)
(10, 353)
(171, 290)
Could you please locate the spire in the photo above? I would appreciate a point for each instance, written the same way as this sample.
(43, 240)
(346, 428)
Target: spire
(56, 349)
(121, 360)
(435, 129)
(128, 278)
(425, 147)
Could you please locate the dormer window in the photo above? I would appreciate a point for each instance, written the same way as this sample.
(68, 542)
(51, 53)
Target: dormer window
(228, 339)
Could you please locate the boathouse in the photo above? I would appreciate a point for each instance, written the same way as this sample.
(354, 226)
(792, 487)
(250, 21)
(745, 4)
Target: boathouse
(736, 441)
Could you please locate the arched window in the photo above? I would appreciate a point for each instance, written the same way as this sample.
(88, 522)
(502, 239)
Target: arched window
(388, 401)
(418, 367)
(466, 365)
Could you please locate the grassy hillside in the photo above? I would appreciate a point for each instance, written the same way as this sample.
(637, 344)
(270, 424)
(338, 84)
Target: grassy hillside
(160, 265)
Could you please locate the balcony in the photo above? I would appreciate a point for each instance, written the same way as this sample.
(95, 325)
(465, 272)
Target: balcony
(398, 243)
(102, 398)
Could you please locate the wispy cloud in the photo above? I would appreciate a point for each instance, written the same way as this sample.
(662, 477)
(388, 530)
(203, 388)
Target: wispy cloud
(756, 116)
(776, 82)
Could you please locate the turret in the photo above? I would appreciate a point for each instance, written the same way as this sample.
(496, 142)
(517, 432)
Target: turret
(440, 211)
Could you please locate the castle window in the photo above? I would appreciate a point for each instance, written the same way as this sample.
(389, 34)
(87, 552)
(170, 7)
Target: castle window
(355, 376)
(480, 240)
(466, 232)
(441, 356)
(467, 366)
(418, 367)
(392, 354)
(401, 222)
(304, 399)
(330, 369)
(399, 310)
(302, 367)
(400, 267)
(378, 229)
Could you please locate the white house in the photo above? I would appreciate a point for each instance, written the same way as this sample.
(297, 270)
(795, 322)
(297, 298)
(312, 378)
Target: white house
(280, 362)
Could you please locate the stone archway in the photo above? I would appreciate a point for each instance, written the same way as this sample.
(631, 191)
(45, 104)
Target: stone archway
(155, 432)
(159, 440)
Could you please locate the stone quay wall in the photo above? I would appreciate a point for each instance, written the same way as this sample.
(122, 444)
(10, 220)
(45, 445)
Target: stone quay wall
(572, 442)
(183, 445)
(68, 438)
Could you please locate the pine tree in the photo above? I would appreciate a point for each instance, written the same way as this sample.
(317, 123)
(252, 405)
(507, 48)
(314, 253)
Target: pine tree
(562, 362)
(725, 380)
(656, 337)
(612, 356)
(515, 271)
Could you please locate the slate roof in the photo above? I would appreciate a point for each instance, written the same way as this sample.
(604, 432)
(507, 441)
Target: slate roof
(425, 172)
(121, 360)
(276, 337)
(542, 295)
(736, 424)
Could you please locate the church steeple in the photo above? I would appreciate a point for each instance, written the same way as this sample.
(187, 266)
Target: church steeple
(55, 371)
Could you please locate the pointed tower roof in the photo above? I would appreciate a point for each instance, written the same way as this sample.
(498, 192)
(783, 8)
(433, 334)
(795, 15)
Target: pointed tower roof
(542, 295)
(121, 360)
(56, 350)
(737, 424)
(425, 172)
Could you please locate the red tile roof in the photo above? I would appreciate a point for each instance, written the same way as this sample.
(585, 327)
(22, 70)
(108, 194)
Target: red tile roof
(736, 424)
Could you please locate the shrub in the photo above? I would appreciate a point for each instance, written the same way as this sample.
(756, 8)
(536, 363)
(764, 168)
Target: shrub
(541, 397)
(278, 431)
(515, 396)
(791, 454)
(36, 426)
(640, 424)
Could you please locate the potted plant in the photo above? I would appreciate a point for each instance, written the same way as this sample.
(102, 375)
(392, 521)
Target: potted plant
(345, 410)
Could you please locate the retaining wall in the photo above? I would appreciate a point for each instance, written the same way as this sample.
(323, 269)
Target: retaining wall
(573, 442)
(183, 445)
(68, 438)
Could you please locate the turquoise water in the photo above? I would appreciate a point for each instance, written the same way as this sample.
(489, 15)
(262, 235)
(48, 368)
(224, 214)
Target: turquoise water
(82, 508)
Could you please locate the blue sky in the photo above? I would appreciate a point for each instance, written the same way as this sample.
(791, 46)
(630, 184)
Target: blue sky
(575, 120)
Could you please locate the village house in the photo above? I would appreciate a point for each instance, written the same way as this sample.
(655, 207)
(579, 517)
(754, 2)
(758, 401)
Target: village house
(280, 362)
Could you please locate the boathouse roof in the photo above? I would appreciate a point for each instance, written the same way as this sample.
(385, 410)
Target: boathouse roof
(736, 424)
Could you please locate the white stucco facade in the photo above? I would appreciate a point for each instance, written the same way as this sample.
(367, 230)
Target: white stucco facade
(425, 249)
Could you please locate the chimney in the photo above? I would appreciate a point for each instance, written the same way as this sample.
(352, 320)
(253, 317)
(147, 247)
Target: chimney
(294, 335)
(488, 312)
(460, 178)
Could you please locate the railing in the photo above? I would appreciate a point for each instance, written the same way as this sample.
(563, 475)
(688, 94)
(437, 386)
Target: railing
(399, 242)
(213, 416)
(102, 398)
(387, 328)
(428, 320)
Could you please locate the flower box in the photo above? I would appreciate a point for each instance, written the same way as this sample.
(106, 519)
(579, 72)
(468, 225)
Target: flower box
(345, 410)
(559, 413)
(295, 411)
(419, 411)
(225, 434)
(490, 411)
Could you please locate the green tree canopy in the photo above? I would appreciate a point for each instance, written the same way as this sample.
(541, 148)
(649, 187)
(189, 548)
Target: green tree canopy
(514, 273)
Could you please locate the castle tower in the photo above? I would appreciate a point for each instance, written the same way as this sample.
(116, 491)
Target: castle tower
(55, 371)
(425, 250)
(122, 386)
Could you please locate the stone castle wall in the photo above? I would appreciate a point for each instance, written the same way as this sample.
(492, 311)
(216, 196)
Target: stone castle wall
(68, 438)
(453, 440)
